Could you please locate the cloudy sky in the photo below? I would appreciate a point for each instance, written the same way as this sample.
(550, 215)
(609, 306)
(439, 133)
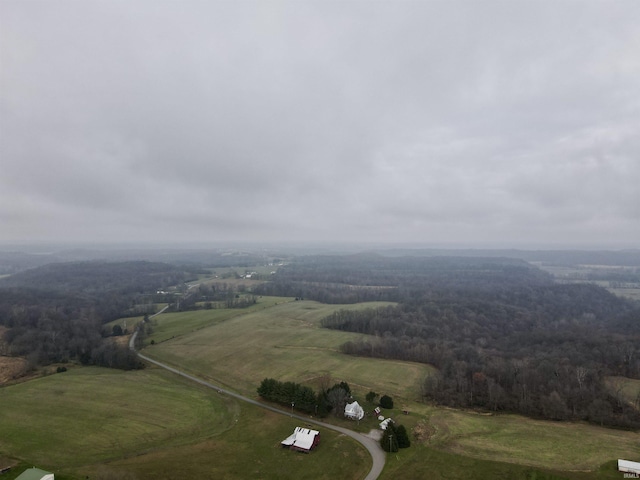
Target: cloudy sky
(489, 123)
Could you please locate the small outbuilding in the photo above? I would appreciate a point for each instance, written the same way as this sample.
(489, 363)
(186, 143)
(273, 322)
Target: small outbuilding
(628, 467)
(35, 474)
(385, 423)
(302, 440)
(354, 411)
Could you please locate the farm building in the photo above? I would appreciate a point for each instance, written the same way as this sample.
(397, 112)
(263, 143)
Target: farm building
(35, 474)
(354, 411)
(628, 467)
(385, 423)
(302, 440)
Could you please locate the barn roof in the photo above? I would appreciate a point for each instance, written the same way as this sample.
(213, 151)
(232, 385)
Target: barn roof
(301, 438)
(35, 474)
(628, 466)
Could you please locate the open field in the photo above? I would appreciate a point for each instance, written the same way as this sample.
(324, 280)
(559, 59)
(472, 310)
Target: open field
(168, 326)
(285, 342)
(252, 450)
(155, 425)
(539, 443)
(94, 414)
(581, 273)
(630, 293)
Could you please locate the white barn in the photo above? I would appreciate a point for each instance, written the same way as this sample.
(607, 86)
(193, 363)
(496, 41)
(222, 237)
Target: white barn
(302, 439)
(628, 467)
(354, 411)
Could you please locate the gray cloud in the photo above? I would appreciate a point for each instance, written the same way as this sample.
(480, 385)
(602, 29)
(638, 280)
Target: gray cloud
(422, 122)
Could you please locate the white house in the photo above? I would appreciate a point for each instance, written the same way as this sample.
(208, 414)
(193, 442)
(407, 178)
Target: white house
(354, 411)
(302, 439)
(628, 467)
(35, 474)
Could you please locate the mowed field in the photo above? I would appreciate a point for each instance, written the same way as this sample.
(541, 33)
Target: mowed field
(151, 424)
(286, 342)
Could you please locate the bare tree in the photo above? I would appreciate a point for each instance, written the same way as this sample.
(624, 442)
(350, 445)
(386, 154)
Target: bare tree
(337, 398)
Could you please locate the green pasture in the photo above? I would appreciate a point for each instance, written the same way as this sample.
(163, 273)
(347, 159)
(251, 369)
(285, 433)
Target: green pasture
(502, 446)
(170, 325)
(155, 425)
(95, 414)
(516, 439)
(285, 342)
(252, 450)
(425, 462)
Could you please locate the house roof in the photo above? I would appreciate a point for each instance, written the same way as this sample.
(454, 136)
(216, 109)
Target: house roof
(301, 438)
(35, 474)
(354, 410)
(385, 423)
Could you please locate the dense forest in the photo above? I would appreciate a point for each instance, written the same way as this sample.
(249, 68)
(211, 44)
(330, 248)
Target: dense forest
(502, 333)
(55, 313)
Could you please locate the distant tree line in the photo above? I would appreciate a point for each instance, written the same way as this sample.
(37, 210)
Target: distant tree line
(56, 313)
(371, 277)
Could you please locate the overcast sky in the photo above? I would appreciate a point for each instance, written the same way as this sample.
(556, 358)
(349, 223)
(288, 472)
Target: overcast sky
(489, 123)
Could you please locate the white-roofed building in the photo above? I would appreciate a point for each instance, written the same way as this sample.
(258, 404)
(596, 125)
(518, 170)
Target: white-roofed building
(385, 423)
(302, 439)
(354, 411)
(628, 467)
(35, 474)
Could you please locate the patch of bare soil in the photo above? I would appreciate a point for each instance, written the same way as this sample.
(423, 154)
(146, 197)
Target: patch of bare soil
(7, 464)
(12, 368)
(423, 432)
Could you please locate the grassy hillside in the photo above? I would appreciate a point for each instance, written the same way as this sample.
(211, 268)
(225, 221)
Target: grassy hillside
(285, 342)
(153, 425)
(90, 414)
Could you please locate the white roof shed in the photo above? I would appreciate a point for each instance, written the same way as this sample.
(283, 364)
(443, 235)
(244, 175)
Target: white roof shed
(628, 467)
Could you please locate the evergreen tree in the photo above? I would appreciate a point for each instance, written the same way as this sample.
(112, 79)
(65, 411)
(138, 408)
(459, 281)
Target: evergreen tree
(402, 436)
(389, 441)
(386, 402)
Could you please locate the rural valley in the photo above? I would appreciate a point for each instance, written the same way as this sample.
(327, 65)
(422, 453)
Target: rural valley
(497, 364)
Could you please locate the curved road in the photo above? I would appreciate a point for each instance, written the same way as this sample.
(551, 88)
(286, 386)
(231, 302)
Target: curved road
(377, 454)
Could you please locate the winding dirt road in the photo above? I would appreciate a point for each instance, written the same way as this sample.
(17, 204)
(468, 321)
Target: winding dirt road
(377, 454)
